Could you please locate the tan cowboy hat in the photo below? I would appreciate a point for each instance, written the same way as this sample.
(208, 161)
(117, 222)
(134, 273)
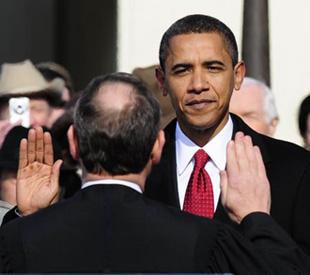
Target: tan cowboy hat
(23, 78)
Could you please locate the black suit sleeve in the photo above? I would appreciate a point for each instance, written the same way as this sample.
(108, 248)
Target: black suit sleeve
(301, 214)
(276, 246)
(260, 247)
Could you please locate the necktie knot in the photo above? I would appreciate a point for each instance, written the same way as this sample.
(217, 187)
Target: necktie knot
(201, 158)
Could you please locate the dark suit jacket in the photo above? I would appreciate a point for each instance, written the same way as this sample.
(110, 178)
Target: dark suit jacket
(112, 228)
(288, 170)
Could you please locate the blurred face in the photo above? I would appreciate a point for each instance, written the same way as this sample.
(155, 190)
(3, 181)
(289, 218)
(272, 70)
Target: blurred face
(307, 134)
(200, 78)
(40, 111)
(8, 186)
(248, 103)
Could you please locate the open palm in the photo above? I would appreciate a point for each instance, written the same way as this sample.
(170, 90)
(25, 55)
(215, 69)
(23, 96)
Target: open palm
(38, 175)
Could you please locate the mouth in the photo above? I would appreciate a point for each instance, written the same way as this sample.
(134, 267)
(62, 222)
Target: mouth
(200, 104)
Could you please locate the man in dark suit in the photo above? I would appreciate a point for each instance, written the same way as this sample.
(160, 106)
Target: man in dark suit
(109, 226)
(199, 69)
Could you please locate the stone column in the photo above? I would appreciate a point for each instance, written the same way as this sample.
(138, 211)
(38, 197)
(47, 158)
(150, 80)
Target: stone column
(255, 41)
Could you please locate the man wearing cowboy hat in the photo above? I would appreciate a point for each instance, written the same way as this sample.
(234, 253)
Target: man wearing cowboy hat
(24, 80)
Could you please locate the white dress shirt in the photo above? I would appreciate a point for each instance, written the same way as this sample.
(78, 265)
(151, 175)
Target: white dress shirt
(215, 148)
(113, 181)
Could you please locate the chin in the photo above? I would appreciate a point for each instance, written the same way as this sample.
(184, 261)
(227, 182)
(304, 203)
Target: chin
(200, 126)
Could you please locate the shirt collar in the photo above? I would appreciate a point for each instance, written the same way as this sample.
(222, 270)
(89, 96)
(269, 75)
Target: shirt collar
(113, 181)
(216, 148)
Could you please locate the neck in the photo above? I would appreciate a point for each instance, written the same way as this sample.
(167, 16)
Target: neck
(138, 179)
(201, 136)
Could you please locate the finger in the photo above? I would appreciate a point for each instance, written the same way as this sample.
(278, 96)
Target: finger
(23, 161)
(251, 155)
(260, 162)
(55, 176)
(241, 156)
(223, 185)
(31, 146)
(232, 166)
(48, 149)
(39, 144)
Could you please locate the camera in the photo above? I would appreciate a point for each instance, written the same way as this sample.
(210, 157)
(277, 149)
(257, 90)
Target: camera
(19, 110)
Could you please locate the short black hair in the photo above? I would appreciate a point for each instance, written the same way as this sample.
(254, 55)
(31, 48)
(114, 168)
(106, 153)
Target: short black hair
(198, 23)
(304, 111)
(117, 141)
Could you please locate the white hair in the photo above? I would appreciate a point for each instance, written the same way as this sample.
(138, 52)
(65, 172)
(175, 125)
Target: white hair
(269, 100)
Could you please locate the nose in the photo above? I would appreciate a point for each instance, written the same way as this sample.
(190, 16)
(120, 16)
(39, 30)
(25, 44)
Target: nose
(199, 82)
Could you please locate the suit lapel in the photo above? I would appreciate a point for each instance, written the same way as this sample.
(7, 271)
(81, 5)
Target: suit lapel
(169, 162)
(239, 125)
(257, 139)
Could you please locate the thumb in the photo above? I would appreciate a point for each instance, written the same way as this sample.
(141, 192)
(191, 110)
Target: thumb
(55, 173)
(55, 186)
(223, 186)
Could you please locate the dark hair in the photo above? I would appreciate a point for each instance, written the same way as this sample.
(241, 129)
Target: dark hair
(198, 23)
(304, 111)
(118, 141)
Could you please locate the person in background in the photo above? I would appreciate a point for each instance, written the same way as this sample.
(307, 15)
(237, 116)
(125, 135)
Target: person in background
(52, 71)
(147, 76)
(304, 121)
(9, 155)
(72, 175)
(255, 104)
(24, 80)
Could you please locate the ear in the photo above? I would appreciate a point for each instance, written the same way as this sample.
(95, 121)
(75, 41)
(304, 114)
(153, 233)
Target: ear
(239, 73)
(160, 76)
(73, 144)
(158, 147)
(273, 126)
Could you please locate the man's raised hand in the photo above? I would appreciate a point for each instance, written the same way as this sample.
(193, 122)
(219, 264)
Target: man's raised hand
(244, 185)
(38, 175)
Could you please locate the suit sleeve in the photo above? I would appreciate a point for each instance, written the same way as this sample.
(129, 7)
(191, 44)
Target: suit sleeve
(277, 247)
(301, 214)
(260, 247)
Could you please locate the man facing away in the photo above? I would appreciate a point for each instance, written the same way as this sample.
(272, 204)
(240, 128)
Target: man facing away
(199, 69)
(110, 227)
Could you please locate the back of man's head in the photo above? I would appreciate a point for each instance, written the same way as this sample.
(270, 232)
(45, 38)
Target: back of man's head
(116, 121)
(198, 23)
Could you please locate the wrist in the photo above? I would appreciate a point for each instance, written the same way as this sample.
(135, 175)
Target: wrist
(23, 213)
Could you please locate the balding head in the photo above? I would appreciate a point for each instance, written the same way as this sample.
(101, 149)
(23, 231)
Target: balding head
(116, 121)
(115, 96)
(255, 104)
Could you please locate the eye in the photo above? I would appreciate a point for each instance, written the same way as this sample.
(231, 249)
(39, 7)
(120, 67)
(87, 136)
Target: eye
(214, 69)
(180, 71)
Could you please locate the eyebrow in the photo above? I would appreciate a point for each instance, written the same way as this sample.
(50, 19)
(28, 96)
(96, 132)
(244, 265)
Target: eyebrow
(206, 63)
(214, 62)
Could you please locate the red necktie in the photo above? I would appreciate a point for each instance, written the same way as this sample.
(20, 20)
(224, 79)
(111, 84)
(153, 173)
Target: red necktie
(199, 193)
